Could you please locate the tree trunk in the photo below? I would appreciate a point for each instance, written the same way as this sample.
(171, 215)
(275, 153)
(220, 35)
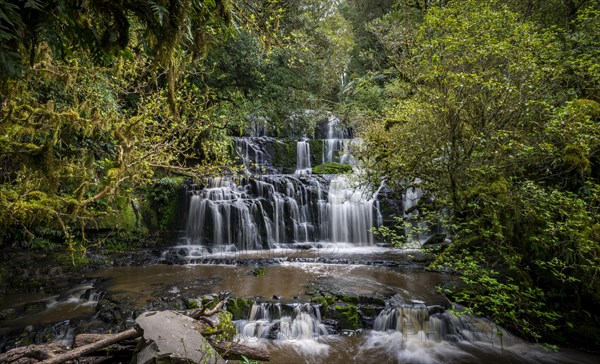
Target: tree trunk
(234, 351)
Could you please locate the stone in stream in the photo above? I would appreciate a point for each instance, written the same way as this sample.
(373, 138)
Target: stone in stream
(172, 338)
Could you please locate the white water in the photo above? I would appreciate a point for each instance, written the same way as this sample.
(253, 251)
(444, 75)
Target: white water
(303, 166)
(271, 211)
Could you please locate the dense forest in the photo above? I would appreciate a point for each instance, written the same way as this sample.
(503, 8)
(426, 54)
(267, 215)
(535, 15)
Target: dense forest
(490, 107)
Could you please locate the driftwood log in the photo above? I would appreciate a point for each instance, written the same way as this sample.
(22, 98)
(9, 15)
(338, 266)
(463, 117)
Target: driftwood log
(32, 353)
(234, 351)
(90, 348)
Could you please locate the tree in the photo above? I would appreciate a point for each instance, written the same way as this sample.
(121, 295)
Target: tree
(484, 121)
(108, 98)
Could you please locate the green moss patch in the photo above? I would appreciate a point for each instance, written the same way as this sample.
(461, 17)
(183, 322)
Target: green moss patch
(332, 168)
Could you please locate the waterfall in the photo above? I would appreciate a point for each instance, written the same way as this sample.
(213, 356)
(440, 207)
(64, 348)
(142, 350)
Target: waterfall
(335, 143)
(415, 320)
(266, 212)
(303, 166)
(296, 321)
(267, 209)
(351, 213)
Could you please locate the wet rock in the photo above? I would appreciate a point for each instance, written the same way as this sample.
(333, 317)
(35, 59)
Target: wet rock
(9, 313)
(435, 309)
(239, 307)
(33, 307)
(172, 338)
(346, 315)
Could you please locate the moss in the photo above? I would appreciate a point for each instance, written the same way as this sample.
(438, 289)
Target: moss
(225, 329)
(239, 307)
(316, 151)
(332, 168)
(325, 299)
(192, 304)
(285, 156)
(259, 272)
(123, 217)
(587, 107)
(347, 316)
(347, 298)
(161, 203)
(574, 159)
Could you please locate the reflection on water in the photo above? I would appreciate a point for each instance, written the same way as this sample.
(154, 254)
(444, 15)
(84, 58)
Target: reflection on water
(31, 309)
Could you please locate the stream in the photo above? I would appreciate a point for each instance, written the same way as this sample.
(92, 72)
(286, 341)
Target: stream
(285, 322)
(297, 248)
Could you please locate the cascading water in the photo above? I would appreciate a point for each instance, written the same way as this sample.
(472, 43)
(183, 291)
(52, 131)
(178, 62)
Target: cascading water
(277, 321)
(335, 142)
(267, 211)
(422, 323)
(303, 166)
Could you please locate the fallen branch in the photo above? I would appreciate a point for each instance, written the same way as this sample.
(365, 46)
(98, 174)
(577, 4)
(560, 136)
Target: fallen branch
(234, 351)
(203, 312)
(86, 349)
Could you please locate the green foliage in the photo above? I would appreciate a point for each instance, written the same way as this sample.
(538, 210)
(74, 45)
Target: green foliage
(225, 329)
(112, 96)
(245, 360)
(332, 168)
(485, 123)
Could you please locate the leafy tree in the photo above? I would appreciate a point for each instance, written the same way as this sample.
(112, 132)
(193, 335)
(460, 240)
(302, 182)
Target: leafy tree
(483, 120)
(110, 97)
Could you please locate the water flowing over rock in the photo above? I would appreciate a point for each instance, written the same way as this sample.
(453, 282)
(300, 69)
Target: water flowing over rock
(277, 321)
(436, 324)
(268, 209)
(336, 142)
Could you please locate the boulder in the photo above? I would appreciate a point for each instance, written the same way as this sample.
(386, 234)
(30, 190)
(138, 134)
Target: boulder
(171, 337)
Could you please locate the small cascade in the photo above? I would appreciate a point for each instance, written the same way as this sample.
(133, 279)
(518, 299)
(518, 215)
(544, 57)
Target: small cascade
(277, 321)
(336, 142)
(419, 322)
(303, 166)
(255, 153)
(84, 295)
(351, 213)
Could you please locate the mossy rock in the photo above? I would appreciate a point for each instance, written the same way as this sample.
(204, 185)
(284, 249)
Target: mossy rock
(345, 298)
(239, 307)
(332, 168)
(285, 156)
(123, 217)
(347, 316)
(325, 299)
(316, 151)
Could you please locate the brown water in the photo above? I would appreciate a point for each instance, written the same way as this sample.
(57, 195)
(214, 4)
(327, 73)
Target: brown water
(287, 280)
(141, 285)
(291, 279)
